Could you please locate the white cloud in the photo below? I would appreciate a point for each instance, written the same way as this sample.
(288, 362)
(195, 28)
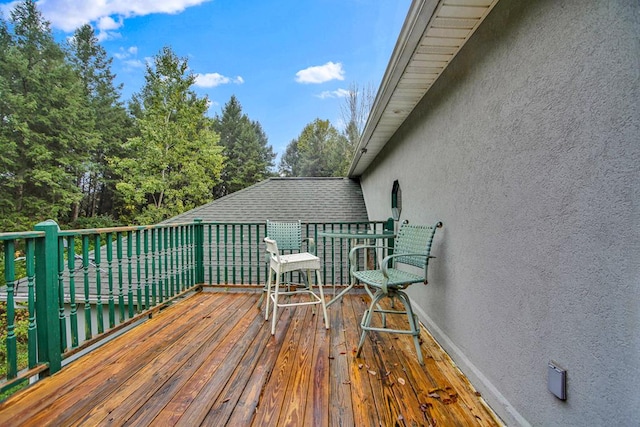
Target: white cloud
(134, 63)
(69, 15)
(123, 53)
(321, 73)
(214, 79)
(339, 93)
(107, 23)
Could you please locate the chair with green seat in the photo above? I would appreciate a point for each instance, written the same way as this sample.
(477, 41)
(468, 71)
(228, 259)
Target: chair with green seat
(289, 235)
(407, 264)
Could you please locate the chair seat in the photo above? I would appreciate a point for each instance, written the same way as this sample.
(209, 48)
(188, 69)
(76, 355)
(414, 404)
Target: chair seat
(397, 278)
(298, 261)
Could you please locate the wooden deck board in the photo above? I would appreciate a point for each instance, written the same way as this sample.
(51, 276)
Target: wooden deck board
(211, 360)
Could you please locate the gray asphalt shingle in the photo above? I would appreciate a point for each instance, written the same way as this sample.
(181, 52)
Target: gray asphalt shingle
(279, 199)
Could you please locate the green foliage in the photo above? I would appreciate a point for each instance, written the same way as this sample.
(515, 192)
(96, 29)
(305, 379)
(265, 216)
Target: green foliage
(319, 150)
(249, 157)
(174, 163)
(44, 122)
(109, 124)
(21, 332)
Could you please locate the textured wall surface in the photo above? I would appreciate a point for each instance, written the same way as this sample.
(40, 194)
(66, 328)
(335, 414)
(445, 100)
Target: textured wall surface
(528, 149)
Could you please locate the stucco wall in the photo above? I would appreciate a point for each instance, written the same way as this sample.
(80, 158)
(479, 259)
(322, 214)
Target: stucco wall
(528, 149)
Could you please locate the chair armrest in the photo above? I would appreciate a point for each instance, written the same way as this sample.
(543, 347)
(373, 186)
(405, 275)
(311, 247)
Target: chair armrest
(385, 262)
(352, 252)
(311, 243)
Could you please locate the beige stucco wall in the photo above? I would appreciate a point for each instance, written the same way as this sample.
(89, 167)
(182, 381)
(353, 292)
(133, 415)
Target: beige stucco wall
(528, 149)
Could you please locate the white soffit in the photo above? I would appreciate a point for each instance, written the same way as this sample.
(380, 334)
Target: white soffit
(433, 33)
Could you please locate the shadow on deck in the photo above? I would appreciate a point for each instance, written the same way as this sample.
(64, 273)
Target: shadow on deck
(210, 360)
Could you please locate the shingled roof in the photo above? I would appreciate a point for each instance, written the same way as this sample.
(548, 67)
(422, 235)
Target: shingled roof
(280, 199)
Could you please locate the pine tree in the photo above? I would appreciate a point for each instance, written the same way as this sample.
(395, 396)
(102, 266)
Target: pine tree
(45, 126)
(110, 124)
(249, 157)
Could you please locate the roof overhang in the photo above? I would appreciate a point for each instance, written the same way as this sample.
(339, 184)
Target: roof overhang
(431, 36)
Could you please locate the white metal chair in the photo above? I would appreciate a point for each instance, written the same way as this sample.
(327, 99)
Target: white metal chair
(288, 235)
(281, 264)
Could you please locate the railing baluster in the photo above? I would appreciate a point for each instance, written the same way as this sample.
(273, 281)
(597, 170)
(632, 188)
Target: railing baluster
(138, 271)
(98, 270)
(226, 252)
(210, 261)
(9, 277)
(119, 256)
(87, 293)
(158, 273)
(32, 332)
(146, 268)
(112, 308)
(73, 306)
(165, 243)
(181, 258)
(172, 255)
(218, 253)
(249, 240)
(130, 273)
(61, 315)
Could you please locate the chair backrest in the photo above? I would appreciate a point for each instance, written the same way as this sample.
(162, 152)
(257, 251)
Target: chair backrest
(287, 234)
(272, 248)
(414, 239)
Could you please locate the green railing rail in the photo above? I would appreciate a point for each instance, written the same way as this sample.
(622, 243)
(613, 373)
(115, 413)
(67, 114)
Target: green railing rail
(64, 291)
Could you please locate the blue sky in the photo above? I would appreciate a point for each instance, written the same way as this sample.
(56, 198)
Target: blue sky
(288, 62)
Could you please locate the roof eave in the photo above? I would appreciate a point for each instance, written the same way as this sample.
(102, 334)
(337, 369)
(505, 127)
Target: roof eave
(431, 36)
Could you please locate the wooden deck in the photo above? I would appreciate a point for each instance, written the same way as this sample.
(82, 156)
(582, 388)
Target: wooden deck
(210, 360)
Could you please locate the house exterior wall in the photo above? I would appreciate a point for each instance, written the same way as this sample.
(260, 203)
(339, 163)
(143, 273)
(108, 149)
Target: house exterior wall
(528, 149)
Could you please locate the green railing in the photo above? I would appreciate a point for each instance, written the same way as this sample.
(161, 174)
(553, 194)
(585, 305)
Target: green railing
(234, 252)
(84, 285)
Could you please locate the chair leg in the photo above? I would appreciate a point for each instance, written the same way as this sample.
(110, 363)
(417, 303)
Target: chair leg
(275, 305)
(322, 301)
(413, 324)
(268, 297)
(366, 320)
(310, 289)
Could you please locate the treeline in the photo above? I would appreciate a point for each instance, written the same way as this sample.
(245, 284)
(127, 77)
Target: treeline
(321, 149)
(72, 151)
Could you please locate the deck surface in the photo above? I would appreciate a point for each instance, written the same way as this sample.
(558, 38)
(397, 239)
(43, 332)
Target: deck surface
(211, 360)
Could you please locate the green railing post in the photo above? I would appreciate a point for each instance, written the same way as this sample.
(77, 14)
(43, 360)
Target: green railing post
(389, 225)
(47, 320)
(199, 250)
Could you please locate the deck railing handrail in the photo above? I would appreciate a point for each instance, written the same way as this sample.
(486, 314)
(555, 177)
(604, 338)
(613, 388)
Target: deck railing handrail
(85, 284)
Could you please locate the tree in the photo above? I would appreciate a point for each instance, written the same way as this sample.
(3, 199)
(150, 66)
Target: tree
(175, 162)
(44, 122)
(110, 124)
(249, 157)
(290, 160)
(319, 150)
(355, 111)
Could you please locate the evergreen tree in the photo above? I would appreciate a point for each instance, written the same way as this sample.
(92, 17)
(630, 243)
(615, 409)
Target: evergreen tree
(290, 160)
(249, 157)
(174, 163)
(44, 122)
(110, 124)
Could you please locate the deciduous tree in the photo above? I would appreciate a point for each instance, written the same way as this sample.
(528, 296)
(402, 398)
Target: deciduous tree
(176, 161)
